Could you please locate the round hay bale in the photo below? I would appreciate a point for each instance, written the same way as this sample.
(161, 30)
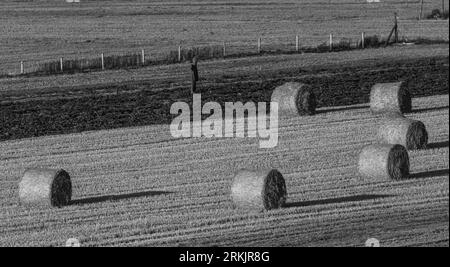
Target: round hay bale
(396, 129)
(390, 97)
(258, 190)
(295, 99)
(45, 187)
(384, 162)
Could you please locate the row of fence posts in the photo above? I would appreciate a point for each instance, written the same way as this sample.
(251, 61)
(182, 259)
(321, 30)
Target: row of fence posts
(224, 52)
(259, 45)
(363, 45)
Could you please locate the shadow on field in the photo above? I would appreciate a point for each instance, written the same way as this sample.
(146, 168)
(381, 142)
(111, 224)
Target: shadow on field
(423, 175)
(328, 110)
(429, 109)
(438, 145)
(100, 199)
(336, 200)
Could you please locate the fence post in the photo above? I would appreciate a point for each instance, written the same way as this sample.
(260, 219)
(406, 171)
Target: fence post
(421, 10)
(331, 42)
(224, 50)
(21, 68)
(194, 75)
(61, 64)
(179, 53)
(297, 46)
(103, 61)
(143, 56)
(363, 40)
(259, 45)
(396, 27)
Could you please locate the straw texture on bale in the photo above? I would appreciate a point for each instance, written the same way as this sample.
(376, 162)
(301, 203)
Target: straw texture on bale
(396, 129)
(390, 97)
(295, 99)
(45, 187)
(258, 190)
(384, 162)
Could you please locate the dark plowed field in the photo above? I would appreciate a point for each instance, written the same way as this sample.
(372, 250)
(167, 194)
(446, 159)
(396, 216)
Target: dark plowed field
(144, 103)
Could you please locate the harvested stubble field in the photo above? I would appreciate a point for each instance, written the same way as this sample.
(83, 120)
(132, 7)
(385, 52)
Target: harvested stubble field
(45, 30)
(138, 186)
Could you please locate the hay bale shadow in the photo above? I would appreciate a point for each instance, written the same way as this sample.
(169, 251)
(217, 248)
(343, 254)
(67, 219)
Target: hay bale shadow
(339, 200)
(107, 198)
(429, 174)
(422, 110)
(438, 145)
(338, 109)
